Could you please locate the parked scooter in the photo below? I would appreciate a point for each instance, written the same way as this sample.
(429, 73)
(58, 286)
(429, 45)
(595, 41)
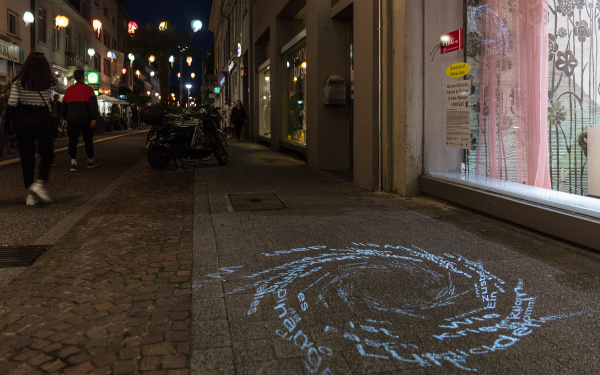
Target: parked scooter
(198, 140)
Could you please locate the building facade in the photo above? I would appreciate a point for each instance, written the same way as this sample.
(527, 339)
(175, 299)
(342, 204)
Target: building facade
(77, 45)
(431, 96)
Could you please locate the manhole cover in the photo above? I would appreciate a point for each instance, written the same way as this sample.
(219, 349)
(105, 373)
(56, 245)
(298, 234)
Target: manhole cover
(256, 202)
(20, 256)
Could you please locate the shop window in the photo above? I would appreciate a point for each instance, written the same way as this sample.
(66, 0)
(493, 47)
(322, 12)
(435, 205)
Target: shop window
(294, 114)
(42, 25)
(534, 74)
(264, 102)
(11, 23)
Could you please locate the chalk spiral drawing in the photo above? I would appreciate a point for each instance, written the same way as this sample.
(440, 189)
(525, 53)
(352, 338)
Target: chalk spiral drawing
(468, 311)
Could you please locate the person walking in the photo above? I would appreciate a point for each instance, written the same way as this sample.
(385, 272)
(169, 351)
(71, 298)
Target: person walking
(80, 110)
(238, 116)
(225, 114)
(31, 92)
(56, 112)
(128, 115)
(135, 117)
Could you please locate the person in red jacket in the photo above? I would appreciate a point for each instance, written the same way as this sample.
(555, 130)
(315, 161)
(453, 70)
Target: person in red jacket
(80, 111)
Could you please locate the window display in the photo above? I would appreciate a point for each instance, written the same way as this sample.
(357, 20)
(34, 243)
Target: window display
(264, 103)
(534, 68)
(294, 114)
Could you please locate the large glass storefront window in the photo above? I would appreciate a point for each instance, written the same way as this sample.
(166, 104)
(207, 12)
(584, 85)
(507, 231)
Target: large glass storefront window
(534, 73)
(264, 102)
(294, 114)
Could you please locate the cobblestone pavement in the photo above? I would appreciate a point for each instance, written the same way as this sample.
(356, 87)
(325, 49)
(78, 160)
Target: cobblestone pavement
(113, 295)
(267, 266)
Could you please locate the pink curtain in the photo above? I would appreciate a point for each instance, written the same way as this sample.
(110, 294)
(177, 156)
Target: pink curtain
(513, 121)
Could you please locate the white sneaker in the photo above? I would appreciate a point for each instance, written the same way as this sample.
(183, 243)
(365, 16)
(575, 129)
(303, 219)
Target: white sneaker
(39, 191)
(30, 200)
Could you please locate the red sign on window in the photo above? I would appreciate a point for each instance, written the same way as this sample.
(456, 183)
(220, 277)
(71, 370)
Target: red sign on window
(453, 41)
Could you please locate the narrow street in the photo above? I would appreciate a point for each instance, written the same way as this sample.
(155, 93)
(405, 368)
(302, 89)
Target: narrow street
(266, 266)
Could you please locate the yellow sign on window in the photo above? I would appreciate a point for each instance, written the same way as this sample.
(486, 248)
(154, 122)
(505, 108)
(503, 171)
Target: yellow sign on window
(458, 70)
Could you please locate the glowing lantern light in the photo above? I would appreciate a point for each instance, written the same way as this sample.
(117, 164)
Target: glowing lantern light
(150, 59)
(124, 70)
(151, 74)
(172, 60)
(111, 55)
(97, 25)
(178, 75)
(196, 25)
(132, 27)
(28, 18)
(193, 75)
(131, 57)
(162, 26)
(189, 60)
(61, 21)
(91, 52)
(304, 65)
(137, 72)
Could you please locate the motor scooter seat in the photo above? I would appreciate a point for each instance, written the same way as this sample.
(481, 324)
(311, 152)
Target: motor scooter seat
(186, 128)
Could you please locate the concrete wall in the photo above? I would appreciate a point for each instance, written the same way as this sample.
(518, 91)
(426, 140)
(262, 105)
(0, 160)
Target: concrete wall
(440, 18)
(328, 53)
(366, 57)
(327, 42)
(402, 114)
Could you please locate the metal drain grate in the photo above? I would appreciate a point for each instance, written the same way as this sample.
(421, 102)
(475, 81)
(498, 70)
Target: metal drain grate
(256, 202)
(20, 256)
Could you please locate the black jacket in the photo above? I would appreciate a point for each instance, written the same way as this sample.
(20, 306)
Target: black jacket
(80, 104)
(237, 116)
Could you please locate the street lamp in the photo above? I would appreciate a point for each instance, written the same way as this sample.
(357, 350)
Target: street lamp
(188, 98)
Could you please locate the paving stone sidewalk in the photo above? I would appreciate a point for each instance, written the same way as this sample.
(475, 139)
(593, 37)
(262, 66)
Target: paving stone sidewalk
(268, 266)
(113, 295)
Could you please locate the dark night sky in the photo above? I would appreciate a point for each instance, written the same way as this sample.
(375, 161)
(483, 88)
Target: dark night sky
(180, 13)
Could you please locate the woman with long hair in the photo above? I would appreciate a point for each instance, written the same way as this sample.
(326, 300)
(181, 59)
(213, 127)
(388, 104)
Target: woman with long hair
(237, 117)
(31, 91)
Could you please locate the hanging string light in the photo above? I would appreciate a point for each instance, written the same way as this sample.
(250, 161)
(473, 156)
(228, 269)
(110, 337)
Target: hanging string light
(91, 52)
(193, 75)
(178, 75)
(151, 59)
(28, 18)
(189, 60)
(124, 70)
(111, 55)
(162, 26)
(137, 72)
(61, 21)
(196, 25)
(132, 27)
(172, 60)
(97, 25)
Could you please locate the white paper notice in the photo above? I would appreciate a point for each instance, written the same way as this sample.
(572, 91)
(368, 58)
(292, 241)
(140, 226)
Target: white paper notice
(458, 128)
(458, 93)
